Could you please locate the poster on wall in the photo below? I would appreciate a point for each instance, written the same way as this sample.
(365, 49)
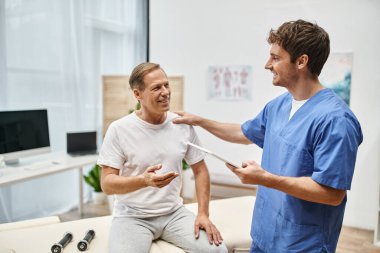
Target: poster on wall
(336, 74)
(229, 82)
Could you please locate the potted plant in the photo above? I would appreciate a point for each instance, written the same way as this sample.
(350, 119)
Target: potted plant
(93, 179)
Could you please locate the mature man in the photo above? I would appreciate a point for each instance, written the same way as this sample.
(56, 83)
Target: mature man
(141, 159)
(309, 138)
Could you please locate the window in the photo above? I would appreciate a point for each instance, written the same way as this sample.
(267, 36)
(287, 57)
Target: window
(53, 54)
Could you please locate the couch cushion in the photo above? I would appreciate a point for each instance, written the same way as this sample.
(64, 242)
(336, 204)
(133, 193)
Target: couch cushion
(4, 250)
(29, 223)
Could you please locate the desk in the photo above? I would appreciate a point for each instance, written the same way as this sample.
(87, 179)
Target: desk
(62, 162)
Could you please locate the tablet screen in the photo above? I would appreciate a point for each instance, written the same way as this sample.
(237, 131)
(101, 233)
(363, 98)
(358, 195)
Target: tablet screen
(213, 154)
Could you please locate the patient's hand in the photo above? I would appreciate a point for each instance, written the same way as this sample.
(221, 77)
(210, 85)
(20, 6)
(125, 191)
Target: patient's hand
(213, 234)
(159, 181)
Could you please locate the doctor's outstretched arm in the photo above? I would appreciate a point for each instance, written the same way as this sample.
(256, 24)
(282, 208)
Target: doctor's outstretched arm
(300, 187)
(226, 131)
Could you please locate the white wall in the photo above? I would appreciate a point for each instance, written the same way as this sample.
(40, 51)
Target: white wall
(189, 36)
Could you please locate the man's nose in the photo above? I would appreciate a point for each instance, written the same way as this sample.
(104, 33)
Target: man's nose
(165, 91)
(268, 65)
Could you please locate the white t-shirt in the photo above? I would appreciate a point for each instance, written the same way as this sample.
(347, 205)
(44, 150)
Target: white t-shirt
(132, 145)
(296, 104)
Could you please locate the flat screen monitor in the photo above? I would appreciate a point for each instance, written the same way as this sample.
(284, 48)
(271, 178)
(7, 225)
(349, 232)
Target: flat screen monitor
(81, 143)
(23, 133)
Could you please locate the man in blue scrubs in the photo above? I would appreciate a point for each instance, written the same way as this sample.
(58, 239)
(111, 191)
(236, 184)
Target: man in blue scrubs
(309, 138)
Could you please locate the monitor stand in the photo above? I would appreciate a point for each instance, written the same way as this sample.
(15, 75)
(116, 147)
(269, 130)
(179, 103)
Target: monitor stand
(12, 163)
(7, 163)
(2, 164)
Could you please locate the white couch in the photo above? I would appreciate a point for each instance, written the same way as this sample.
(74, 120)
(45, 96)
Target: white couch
(29, 223)
(232, 217)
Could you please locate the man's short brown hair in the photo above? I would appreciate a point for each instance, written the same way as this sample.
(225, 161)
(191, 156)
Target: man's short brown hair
(136, 80)
(302, 37)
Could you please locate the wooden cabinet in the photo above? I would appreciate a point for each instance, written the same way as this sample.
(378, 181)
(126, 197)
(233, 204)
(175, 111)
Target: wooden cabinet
(118, 98)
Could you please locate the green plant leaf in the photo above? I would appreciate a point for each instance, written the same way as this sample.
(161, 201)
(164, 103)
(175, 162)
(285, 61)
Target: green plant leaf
(137, 107)
(93, 178)
(184, 165)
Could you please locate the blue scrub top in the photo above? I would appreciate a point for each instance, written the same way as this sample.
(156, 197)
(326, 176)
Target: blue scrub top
(320, 141)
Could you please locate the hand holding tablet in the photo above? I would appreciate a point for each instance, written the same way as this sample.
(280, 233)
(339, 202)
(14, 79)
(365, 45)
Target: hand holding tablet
(213, 154)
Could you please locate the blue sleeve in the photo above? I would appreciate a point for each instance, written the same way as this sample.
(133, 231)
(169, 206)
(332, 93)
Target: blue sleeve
(254, 129)
(335, 153)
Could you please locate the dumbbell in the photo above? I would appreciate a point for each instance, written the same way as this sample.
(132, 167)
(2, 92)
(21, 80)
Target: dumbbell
(83, 244)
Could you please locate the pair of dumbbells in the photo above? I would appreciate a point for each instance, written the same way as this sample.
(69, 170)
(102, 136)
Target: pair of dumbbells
(67, 237)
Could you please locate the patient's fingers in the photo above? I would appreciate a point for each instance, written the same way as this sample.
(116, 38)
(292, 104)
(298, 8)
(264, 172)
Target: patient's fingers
(196, 230)
(165, 176)
(152, 169)
(163, 181)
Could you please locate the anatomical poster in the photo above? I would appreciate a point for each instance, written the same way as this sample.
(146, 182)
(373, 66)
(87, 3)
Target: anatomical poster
(229, 82)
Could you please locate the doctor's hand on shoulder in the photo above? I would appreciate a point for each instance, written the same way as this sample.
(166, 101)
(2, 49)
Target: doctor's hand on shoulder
(187, 118)
(158, 180)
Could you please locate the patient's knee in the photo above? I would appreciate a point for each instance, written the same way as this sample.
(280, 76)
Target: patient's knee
(212, 248)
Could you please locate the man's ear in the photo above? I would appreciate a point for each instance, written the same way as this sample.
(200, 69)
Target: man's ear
(137, 94)
(302, 61)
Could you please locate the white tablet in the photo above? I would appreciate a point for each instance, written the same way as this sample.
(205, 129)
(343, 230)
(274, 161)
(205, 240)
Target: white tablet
(213, 154)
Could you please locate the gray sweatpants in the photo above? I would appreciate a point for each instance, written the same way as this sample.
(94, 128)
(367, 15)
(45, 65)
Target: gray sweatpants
(135, 235)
